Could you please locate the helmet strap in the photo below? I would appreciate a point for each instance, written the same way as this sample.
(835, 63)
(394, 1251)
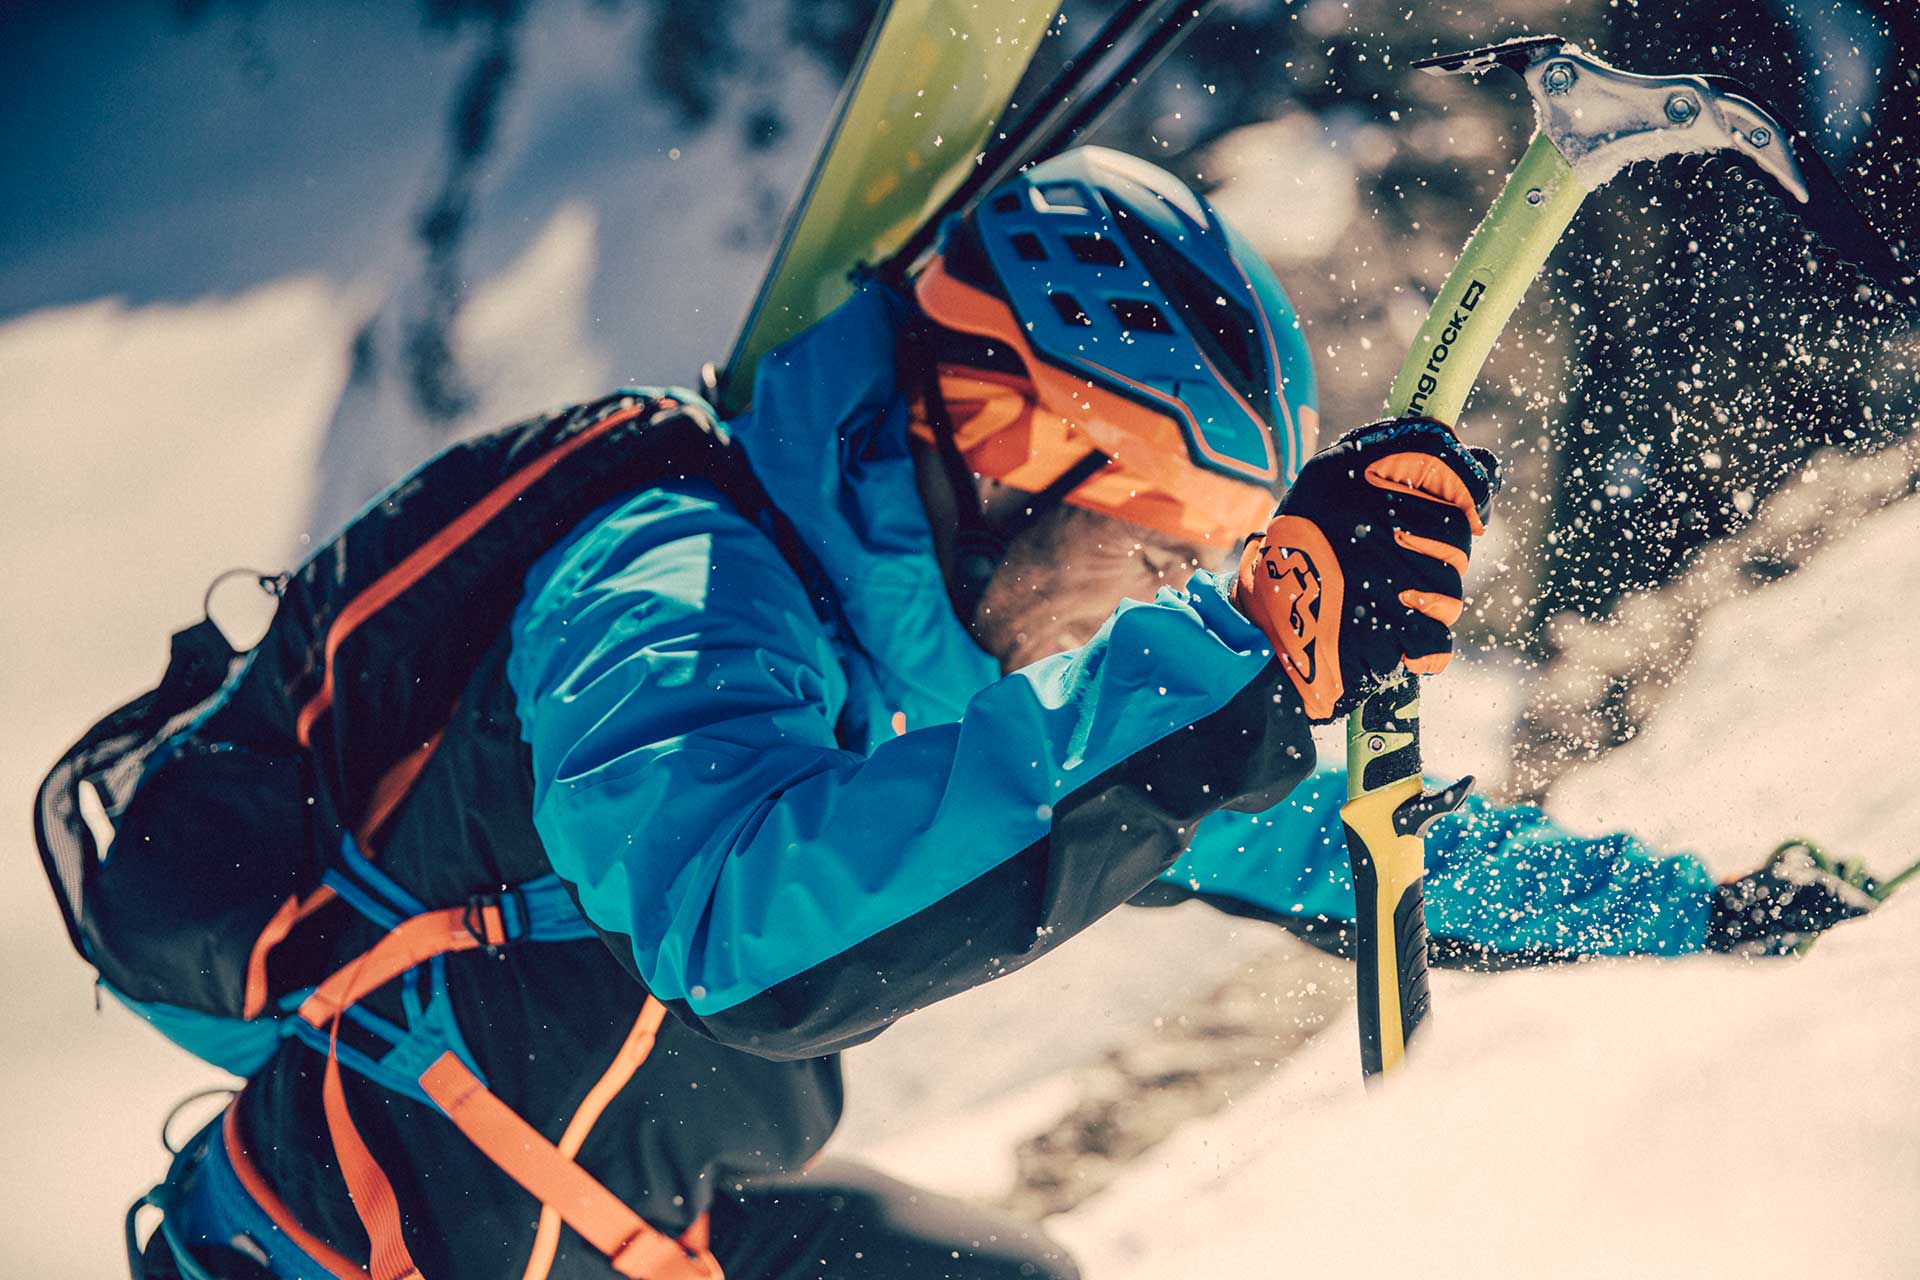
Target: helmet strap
(977, 550)
(980, 547)
(1043, 502)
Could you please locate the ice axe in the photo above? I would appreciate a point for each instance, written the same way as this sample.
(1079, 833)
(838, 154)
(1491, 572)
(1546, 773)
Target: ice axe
(1592, 121)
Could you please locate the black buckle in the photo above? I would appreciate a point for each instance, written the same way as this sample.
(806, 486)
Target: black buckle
(513, 923)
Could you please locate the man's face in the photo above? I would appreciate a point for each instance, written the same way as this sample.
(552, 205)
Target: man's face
(1064, 577)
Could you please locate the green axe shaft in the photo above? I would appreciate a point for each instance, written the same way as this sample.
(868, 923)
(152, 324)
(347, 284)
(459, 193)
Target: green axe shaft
(1387, 804)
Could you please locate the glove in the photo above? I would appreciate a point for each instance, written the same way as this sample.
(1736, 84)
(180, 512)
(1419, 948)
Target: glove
(1798, 894)
(1359, 571)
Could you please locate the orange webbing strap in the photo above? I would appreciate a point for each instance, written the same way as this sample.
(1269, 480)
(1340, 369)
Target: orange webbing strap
(373, 1197)
(633, 1248)
(388, 792)
(633, 1051)
(696, 1238)
(411, 943)
(272, 934)
(394, 786)
(384, 590)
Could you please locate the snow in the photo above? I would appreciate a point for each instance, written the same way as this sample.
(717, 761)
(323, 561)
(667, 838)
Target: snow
(523, 338)
(1706, 1117)
(1698, 1117)
(1022, 1032)
(147, 448)
(1780, 723)
(1287, 186)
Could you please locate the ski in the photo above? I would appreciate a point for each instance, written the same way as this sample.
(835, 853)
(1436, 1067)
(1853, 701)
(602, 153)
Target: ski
(901, 158)
(1133, 41)
(928, 85)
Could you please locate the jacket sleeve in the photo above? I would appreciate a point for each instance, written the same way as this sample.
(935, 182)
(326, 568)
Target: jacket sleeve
(791, 897)
(1505, 886)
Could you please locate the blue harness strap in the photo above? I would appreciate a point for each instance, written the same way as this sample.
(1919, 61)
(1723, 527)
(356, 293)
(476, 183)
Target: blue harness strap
(204, 1203)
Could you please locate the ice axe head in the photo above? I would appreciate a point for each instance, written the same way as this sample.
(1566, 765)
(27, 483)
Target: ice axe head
(1602, 119)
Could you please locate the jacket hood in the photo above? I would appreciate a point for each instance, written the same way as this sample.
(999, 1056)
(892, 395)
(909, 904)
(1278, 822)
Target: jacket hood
(827, 439)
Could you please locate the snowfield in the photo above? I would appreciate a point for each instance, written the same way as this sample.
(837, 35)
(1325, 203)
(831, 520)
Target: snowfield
(151, 447)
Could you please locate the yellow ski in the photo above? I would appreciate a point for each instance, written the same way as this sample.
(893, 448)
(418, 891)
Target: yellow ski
(926, 90)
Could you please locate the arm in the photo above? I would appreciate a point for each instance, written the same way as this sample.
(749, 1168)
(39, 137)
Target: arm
(1505, 886)
(792, 897)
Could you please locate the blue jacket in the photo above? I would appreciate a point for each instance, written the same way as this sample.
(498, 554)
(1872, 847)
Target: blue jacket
(802, 802)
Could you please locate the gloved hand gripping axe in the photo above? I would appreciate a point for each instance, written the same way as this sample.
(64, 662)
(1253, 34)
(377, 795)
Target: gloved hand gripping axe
(1593, 120)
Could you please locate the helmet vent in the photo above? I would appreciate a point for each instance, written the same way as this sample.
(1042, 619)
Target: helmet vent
(1095, 251)
(1225, 328)
(1028, 246)
(1139, 316)
(1008, 203)
(1070, 309)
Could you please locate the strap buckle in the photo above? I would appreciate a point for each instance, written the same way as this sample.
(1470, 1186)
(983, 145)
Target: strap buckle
(496, 919)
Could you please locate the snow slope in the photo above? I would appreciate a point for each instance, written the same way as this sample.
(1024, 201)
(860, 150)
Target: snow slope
(1705, 1118)
(1700, 1117)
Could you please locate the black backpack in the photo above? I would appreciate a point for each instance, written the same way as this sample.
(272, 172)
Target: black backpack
(232, 787)
(241, 792)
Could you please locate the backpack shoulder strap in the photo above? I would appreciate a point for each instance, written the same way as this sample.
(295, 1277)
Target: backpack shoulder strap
(378, 635)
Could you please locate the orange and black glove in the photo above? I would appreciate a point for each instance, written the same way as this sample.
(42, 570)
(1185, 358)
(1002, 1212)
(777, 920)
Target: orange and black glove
(1359, 571)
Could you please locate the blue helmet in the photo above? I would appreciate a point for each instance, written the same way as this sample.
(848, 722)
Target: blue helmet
(1095, 307)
